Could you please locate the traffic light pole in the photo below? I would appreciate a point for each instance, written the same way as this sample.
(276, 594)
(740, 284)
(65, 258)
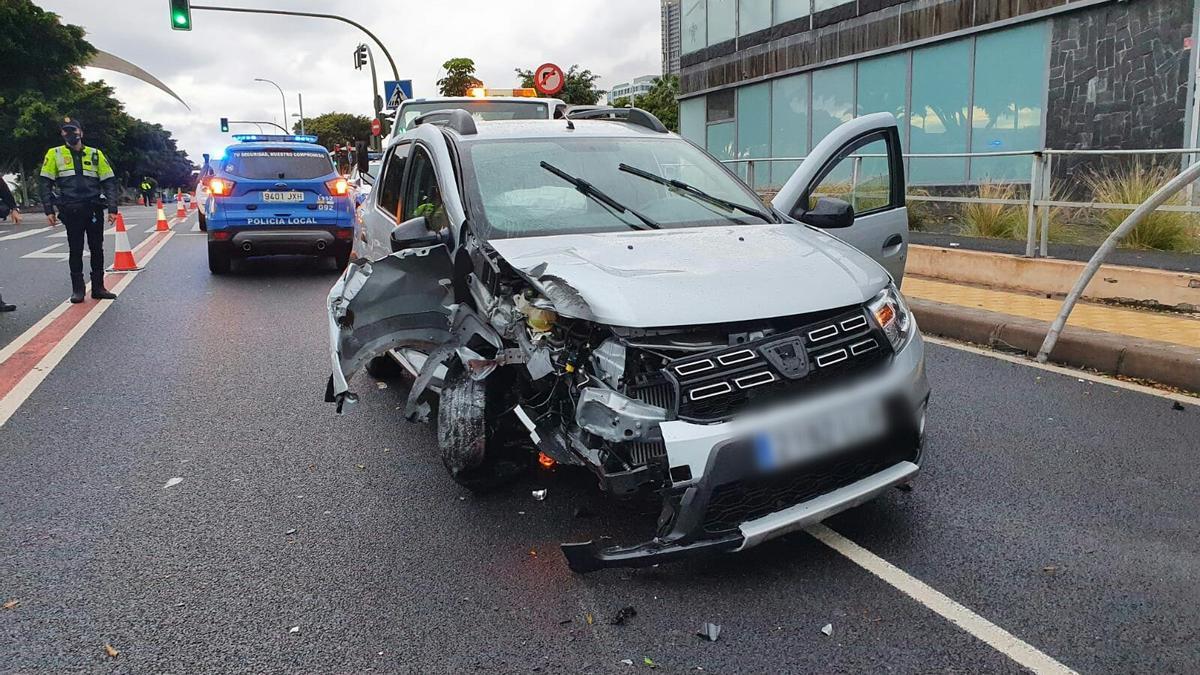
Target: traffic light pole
(313, 15)
(260, 128)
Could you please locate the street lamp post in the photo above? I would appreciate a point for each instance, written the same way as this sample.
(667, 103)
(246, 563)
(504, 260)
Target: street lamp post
(281, 96)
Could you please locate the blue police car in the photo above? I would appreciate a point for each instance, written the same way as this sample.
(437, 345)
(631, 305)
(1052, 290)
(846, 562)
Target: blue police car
(270, 195)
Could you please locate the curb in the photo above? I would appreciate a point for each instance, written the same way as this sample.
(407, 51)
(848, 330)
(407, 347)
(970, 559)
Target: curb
(1164, 362)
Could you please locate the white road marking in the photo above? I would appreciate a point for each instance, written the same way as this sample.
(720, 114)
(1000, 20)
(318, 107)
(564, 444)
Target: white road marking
(17, 396)
(1063, 370)
(45, 253)
(62, 234)
(25, 233)
(994, 636)
(195, 226)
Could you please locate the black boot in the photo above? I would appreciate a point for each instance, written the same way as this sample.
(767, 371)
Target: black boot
(77, 289)
(5, 307)
(98, 290)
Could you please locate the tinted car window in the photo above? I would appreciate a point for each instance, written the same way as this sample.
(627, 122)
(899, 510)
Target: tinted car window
(393, 177)
(423, 196)
(278, 164)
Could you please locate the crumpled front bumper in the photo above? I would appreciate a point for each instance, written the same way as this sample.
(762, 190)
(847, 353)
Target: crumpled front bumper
(715, 456)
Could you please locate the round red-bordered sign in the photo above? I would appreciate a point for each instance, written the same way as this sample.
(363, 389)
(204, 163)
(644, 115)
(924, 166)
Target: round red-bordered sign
(549, 79)
(376, 127)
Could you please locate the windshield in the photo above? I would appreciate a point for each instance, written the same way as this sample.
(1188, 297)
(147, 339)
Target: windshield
(519, 198)
(278, 164)
(481, 109)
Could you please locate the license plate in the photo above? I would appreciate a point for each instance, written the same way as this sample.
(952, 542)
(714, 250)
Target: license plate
(285, 197)
(813, 435)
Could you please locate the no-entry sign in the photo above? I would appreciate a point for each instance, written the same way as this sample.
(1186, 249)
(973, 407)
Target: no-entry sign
(376, 127)
(548, 79)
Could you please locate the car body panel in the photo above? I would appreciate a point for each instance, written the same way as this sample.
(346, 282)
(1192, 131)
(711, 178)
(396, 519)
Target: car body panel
(701, 275)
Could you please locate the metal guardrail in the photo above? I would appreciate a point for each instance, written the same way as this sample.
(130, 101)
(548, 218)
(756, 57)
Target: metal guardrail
(1039, 202)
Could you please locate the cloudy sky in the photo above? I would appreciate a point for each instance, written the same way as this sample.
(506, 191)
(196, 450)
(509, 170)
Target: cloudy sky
(213, 67)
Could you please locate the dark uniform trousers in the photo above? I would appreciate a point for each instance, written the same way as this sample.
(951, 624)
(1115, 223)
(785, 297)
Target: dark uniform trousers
(84, 220)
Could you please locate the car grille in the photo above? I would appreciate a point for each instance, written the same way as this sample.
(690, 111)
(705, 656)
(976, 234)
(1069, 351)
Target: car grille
(734, 503)
(716, 385)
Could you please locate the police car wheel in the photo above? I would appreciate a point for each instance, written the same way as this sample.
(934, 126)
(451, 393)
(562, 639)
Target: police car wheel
(218, 260)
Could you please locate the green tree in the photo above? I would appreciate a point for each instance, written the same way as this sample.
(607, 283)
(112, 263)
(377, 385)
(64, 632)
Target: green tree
(335, 128)
(579, 89)
(661, 101)
(460, 76)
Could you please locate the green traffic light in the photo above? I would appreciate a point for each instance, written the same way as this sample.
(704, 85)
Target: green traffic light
(180, 19)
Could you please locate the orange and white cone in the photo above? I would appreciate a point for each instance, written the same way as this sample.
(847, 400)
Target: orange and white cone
(141, 200)
(161, 224)
(123, 258)
(180, 211)
(194, 204)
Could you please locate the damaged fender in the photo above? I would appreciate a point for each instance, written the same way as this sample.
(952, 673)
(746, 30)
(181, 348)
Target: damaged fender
(400, 300)
(466, 325)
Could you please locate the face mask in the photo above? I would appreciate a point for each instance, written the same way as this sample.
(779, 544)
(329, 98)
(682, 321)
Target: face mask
(72, 138)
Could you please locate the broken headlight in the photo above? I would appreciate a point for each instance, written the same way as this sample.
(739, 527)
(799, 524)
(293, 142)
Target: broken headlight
(891, 314)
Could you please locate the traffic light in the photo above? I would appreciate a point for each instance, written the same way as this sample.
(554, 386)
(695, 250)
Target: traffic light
(224, 125)
(360, 57)
(181, 14)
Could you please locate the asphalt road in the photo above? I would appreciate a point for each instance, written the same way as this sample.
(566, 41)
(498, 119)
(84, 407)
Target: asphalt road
(1060, 510)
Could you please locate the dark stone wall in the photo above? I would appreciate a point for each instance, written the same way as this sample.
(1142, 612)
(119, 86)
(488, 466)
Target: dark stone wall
(1118, 78)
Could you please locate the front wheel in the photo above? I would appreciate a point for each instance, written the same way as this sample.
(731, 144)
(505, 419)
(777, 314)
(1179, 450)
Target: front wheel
(218, 260)
(470, 434)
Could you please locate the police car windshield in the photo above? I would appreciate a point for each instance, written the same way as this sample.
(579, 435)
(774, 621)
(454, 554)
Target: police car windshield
(480, 109)
(278, 164)
(518, 198)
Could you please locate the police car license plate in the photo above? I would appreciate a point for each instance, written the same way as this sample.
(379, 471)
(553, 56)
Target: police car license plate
(813, 435)
(285, 197)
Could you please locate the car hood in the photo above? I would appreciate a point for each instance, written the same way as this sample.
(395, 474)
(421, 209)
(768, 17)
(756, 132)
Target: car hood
(695, 276)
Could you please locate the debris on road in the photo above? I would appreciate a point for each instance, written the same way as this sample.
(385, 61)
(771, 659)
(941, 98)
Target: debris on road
(1176, 405)
(360, 466)
(649, 662)
(628, 662)
(294, 629)
(173, 482)
(381, 385)
(623, 615)
(827, 629)
(12, 604)
(1050, 569)
(291, 531)
(709, 631)
(588, 617)
(539, 495)
(112, 652)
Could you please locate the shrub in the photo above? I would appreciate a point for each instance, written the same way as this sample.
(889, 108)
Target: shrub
(1161, 230)
(998, 221)
(920, 212)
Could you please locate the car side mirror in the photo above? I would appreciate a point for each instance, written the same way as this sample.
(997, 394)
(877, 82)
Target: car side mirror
(829, 213)
(414, 233)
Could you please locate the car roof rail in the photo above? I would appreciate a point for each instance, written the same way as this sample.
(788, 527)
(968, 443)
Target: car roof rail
(632, 115)
(456, 119)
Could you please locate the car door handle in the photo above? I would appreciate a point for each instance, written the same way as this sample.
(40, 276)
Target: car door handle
(891, 245)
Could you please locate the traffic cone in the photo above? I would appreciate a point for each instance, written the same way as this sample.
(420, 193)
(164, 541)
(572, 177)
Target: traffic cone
(161, 225)
(180, 211)
(141, 200)
(194, 204)
(123, 258)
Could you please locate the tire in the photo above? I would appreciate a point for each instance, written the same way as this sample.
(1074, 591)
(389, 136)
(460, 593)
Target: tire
(218, 260)
(470, 437)
(341, 260)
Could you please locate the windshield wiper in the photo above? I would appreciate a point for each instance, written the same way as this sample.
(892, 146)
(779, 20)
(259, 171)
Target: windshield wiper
(599, 195)
(697, 193)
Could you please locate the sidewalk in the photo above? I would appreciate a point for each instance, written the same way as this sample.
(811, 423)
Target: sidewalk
(1142, 344)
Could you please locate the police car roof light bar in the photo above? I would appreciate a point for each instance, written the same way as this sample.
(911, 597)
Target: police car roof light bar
(290, 138)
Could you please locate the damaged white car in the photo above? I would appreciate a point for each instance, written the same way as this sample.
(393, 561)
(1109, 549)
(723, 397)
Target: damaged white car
(601, 293)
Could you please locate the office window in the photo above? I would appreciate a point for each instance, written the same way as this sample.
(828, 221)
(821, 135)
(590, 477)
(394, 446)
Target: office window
(821, 5)
(786, 10)
(691, 120)
(940, 78)
(832, 99)
(753, 15)
(720, 140)
(754, 130)
(1010, 77)
(789, 124)
(883, 87)
(722, 20)
(694, 25)
(720, 105)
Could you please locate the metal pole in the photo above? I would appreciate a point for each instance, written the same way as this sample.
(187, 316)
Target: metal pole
(1048, 194)
(750, 173)
(1035, 185)
(300, 97)
(281, 96)
(258, 123)
(1157, 199)
(313, 15)
(376, 141)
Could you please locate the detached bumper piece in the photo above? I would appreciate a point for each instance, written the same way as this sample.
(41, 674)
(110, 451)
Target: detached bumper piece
(589, 557)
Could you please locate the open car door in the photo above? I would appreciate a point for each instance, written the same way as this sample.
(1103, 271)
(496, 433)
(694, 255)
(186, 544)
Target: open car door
(859, 163)
(400, 300)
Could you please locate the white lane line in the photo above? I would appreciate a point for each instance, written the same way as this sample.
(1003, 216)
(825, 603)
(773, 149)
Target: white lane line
(996, 637)
(17, 396)
(25, 233)
(195, 226)
(1063, 370)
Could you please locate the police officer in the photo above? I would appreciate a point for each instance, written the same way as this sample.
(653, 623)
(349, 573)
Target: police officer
(147, 187)
(80, 174)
